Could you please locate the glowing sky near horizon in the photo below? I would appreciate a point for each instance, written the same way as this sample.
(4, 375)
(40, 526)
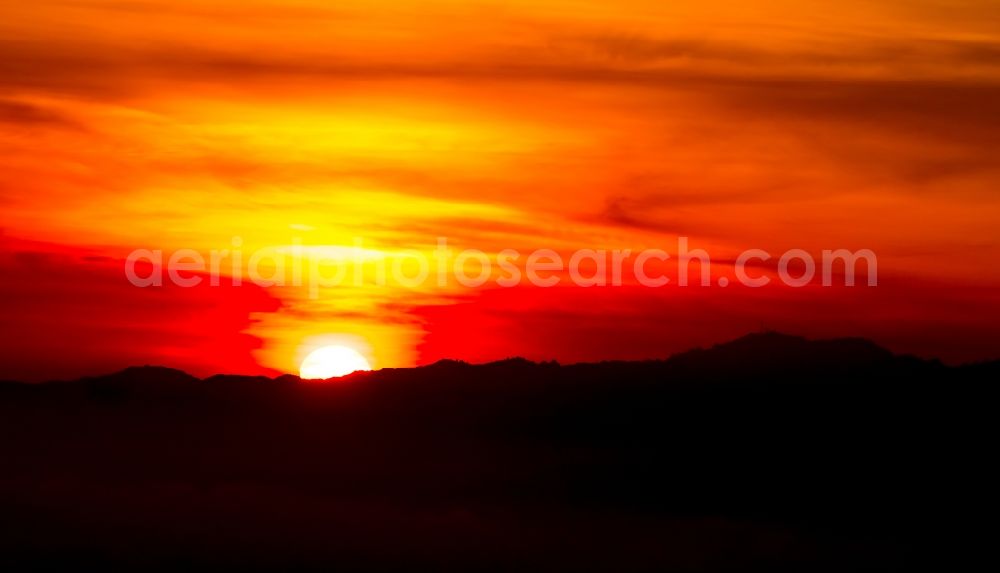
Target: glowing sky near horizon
(516, 124)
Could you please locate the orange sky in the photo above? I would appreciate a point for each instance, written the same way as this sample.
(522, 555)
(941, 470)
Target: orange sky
(563, 124)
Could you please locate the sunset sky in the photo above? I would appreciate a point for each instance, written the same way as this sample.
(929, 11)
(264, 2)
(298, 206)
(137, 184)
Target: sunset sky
(565, 124)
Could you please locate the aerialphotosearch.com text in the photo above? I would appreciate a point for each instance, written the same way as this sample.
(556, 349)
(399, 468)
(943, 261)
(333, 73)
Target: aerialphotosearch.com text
(318, 267)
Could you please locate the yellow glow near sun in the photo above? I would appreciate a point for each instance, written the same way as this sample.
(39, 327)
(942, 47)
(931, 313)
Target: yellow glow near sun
(331, 362)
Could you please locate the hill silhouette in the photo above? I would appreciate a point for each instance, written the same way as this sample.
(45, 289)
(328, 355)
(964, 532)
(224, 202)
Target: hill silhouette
(770, 452)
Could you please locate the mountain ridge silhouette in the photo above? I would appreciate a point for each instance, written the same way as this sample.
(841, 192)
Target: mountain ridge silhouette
(770, 452)
(752, 352)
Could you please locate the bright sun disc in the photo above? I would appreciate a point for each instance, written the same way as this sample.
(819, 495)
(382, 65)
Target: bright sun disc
(331, 362)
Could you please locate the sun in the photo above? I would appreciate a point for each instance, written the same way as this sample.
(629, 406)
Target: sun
(331, 362)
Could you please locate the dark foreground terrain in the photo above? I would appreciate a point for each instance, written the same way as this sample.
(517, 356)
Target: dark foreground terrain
(769, 453)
